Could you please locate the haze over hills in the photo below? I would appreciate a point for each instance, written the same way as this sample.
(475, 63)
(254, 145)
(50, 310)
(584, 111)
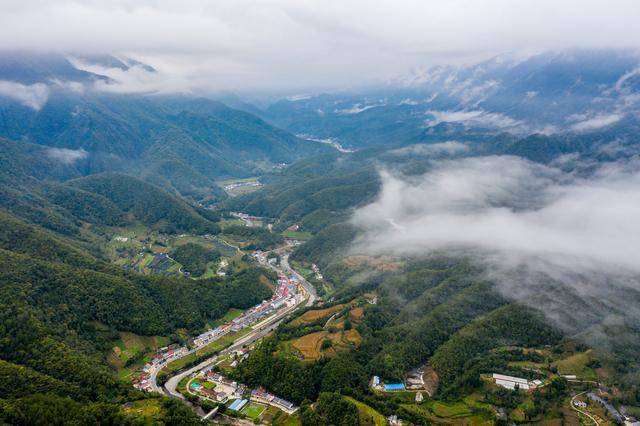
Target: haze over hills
(281, 214)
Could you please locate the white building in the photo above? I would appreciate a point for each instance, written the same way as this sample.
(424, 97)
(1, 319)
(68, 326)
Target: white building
(511, 382)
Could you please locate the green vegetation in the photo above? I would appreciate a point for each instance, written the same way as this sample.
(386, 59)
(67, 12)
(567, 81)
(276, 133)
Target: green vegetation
(194, 258)
(253, 410)
(258, 238)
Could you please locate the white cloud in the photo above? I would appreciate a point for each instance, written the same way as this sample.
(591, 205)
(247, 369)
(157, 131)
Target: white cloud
(529, 227)
(447, 148)
(596, 122)
(291, 43)
(67, 156)
(513, 207)
(471, 118)
(73, 86)
(357, 108)
(33, 96)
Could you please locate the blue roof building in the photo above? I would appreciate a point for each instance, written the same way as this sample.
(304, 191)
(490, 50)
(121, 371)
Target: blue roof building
(394, 387)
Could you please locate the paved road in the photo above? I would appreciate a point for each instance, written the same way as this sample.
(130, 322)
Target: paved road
(172, 384)
(311, 290)
(170, 387)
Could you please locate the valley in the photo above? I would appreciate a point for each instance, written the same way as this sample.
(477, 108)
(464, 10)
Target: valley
(456, 249)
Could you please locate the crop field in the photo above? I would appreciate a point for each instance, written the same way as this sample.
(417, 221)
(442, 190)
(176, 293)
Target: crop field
(357, 314)
(309, 345)
(130, 345)
(316, 314)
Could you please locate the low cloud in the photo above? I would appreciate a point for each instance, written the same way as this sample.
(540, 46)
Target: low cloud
(33, 96)
(473, 118)
(67, 156)
(529, 225)
(357, 108)
(596, 122)
(447, 148)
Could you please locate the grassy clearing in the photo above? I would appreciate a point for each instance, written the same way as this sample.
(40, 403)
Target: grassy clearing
(577, 364)
(454, 410)
(280, 418)
(253, 410)
(366, 412)
(297, 235)
(131, 345)
(150, 409)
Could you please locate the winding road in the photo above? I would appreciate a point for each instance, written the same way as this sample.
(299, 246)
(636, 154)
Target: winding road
(170, 387)
(580, 411)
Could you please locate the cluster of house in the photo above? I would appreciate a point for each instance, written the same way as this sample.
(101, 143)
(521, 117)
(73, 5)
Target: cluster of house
(250, 221)
(415, 379)
(316, 271)
(285, 295)
(225, 389)
(164, 356)
(262, 396)
(222, 268)
(512, 383)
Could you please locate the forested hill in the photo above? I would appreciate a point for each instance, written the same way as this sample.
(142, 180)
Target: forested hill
(61, 309)
(181, 144)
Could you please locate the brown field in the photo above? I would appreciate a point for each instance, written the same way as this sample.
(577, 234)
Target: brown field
(383, 263)
(309, 345)
(357, 314)
(316, 314)
(352, 336)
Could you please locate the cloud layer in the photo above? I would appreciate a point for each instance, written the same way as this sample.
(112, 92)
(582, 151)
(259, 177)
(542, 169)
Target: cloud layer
(291, 43)
(512, 207)
(33, 96)
(566, 245)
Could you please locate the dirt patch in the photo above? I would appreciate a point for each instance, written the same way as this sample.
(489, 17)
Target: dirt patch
(265, 281)
(430, 378)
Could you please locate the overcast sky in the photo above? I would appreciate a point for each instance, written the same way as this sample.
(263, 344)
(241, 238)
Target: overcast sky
(252, 44)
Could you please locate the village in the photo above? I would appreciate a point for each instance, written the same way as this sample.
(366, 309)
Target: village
(213, 386)
(286, 296)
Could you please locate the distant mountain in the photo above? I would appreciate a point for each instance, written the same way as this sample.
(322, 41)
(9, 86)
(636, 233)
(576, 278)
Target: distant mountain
(181, 143)
(31, 68)
(550, 93)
